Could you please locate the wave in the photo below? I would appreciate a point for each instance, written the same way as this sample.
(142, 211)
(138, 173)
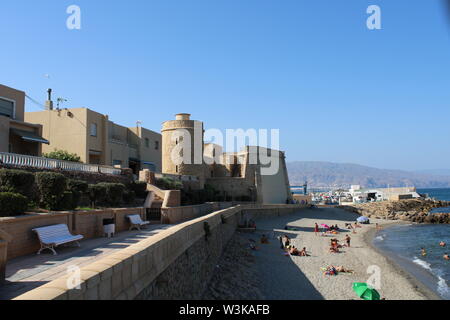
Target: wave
(379, 238)
(422, 263)
(443, 288)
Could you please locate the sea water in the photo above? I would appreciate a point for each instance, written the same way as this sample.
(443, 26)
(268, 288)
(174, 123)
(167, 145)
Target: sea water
(403, 243)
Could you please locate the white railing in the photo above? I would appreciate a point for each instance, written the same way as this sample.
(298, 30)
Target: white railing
(44, 163)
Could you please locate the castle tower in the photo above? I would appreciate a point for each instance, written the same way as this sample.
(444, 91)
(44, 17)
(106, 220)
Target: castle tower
(175, 146)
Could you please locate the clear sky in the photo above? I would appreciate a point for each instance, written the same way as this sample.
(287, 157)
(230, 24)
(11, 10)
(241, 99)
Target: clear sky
(337, 91)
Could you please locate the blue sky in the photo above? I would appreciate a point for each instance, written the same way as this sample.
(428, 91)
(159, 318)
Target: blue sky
(336, 90)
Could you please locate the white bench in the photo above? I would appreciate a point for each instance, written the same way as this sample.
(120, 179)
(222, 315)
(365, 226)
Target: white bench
(136, 222)
(54, 236)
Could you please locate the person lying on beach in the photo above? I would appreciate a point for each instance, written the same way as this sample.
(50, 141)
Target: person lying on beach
(330, 271)
(334, 250)
(303, 253)
(294, 251)
(264, 239)
(343, 270)
(443, 244)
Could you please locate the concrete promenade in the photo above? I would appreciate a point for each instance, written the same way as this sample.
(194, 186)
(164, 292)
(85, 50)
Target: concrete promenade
(29, 272)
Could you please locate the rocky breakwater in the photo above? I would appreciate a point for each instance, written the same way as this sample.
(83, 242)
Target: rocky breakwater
(417, 211)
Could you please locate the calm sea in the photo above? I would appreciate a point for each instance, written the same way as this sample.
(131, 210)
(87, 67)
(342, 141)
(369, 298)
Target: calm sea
(404, 243)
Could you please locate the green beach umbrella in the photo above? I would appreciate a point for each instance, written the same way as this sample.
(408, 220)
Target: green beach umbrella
(365, 292)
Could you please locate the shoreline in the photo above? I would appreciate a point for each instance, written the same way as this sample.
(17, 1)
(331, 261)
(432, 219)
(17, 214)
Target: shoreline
(271, 275)
(418, 285)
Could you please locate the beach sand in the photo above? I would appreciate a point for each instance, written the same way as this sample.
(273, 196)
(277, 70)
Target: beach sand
(283, 277)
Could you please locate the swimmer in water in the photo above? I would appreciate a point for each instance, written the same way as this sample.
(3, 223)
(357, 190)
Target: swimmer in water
(443, 244)
(446, 257)
(424, 252)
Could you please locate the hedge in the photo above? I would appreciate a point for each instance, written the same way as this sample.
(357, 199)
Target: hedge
(17, 181)
(12, 204)
(78, 188)
(97, 194)
(139, 188)
(52, 187)
(114, 193)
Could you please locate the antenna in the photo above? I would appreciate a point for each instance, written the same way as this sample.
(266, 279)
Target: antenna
(60, 101)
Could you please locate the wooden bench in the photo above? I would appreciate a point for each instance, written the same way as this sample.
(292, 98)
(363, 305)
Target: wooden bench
(136, 222)
(54, 236)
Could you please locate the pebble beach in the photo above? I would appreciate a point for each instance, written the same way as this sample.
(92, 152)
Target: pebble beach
(268, 273)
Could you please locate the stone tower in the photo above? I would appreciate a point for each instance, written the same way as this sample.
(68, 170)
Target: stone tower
(182, 141)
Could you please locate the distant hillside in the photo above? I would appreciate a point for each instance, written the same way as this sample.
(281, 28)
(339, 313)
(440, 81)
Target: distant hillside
(326, 174)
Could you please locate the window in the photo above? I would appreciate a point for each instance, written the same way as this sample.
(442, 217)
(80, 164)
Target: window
(147, 143)
(156, 145)
(93, 129)
(7, 108)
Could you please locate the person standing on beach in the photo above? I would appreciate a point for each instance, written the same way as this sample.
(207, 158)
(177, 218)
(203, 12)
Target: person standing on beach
(348, 240)
(316, 229)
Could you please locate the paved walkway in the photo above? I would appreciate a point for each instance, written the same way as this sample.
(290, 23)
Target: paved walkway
(29, 272)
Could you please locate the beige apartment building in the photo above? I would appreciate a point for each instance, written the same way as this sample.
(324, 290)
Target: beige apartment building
(16, 135)
(97, 140)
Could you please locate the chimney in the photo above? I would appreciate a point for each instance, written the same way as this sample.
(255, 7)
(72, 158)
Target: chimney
(49, 102)
(183, 116)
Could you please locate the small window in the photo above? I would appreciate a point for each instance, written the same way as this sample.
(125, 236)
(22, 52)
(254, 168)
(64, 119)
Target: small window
(147, 142)
(93, 129)
(156, 145)
(7, 108)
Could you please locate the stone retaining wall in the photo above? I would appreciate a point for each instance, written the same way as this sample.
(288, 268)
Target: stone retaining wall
(174, 215)
(176, 263)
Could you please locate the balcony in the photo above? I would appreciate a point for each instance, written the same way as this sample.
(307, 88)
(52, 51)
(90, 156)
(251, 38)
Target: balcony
(20, 160)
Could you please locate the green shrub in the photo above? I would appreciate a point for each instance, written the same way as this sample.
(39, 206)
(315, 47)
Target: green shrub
(62, 155)
(169, 184)
(12, 204)
(139, 188)
(129, 196)
(51, 189)
(78, 188)
(110, 194)
(67, 202)
(97, 193)
(17, 181)
(114, 193)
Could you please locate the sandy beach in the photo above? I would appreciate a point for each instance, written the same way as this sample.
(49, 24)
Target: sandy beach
(281, 277)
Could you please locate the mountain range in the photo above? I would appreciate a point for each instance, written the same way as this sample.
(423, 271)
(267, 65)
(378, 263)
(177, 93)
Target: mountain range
(343, 175)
